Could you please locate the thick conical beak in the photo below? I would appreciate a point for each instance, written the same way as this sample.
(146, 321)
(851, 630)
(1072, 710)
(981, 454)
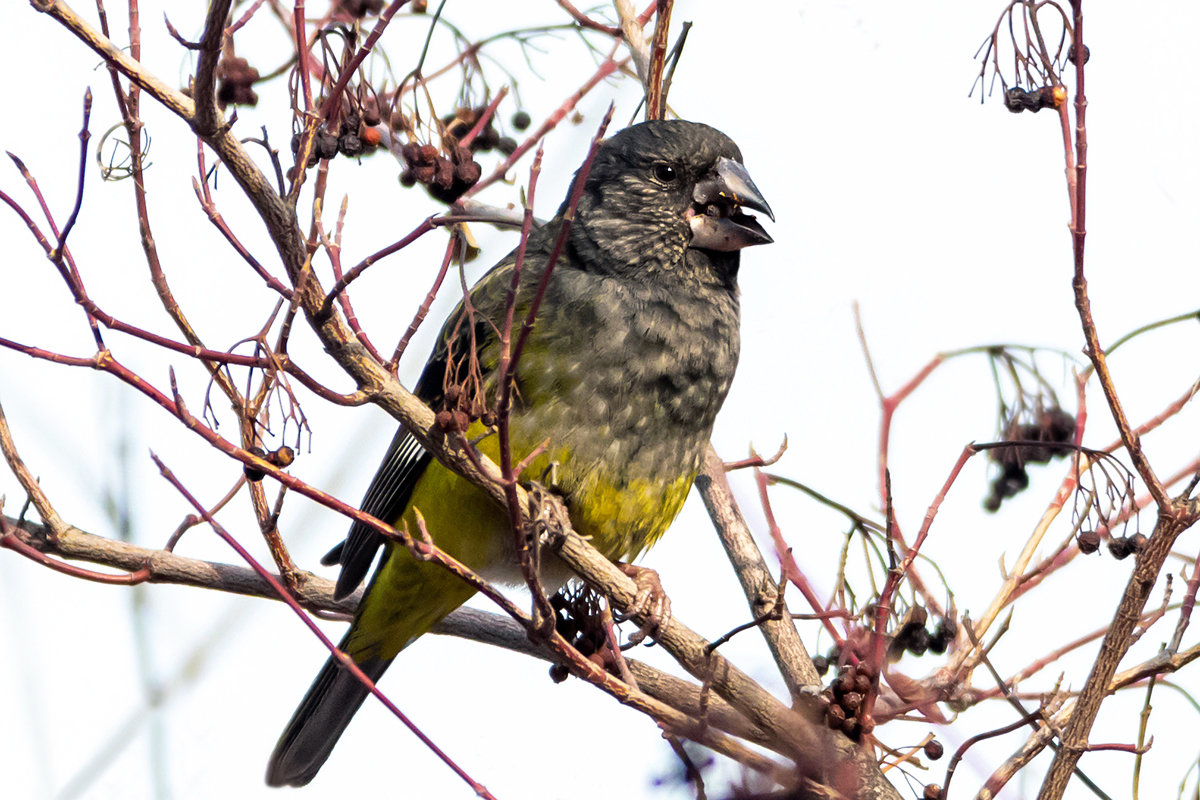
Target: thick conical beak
(716, 218)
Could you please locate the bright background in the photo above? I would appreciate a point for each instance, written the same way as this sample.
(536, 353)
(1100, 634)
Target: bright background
(944, 219)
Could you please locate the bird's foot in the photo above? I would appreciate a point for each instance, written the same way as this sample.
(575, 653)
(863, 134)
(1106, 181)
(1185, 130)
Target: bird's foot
(650, 602)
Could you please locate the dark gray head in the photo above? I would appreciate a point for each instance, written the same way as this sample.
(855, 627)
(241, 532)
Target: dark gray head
(667, 197)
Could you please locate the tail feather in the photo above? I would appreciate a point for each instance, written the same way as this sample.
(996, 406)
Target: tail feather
(323, 714)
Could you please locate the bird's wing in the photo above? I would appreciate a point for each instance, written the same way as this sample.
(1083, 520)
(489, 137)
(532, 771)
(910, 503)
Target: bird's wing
(385, 499)
(405, 461)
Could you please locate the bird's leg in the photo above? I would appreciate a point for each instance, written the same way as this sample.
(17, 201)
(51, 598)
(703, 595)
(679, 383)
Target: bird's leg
(651, 601)
(544, 515)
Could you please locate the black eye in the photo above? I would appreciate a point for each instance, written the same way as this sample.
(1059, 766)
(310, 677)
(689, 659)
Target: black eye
(664, 173)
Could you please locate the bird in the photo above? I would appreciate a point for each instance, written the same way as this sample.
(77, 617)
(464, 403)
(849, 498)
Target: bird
(630, 356)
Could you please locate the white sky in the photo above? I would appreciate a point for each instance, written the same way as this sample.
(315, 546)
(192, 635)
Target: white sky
(945, 220)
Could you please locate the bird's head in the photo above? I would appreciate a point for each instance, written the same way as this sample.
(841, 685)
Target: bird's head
(668, 195)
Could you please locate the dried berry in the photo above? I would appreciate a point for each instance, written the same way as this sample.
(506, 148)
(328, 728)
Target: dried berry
(852, 702)
(821, 663)
(348, 144)
(254, 474)
(370, 112)
(835, 716)
(1088, 541)
(558, 673)
(932, 792)
(235, 83)
(361, 8)
(1120, 547)
(326, 145)
(521, 120)
(283, 457)
(934, 750)
(862, 682)
(1015, 99)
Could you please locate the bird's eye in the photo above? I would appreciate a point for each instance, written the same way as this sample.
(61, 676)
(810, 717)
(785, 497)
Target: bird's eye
(664, 173)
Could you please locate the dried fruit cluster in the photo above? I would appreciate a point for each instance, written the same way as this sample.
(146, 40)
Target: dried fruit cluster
(1050, 435)
(846, 701)
(915, 638)
(447, 176)
(578, 620)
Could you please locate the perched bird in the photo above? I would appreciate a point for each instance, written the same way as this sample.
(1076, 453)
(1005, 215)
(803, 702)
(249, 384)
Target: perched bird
(630, 357)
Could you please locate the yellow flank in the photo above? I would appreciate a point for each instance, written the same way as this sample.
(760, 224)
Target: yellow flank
(622, 516)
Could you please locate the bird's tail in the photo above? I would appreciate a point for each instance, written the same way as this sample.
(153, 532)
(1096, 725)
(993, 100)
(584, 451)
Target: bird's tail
(320, 719)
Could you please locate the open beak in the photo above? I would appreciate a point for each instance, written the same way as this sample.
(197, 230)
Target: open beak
(716, 216)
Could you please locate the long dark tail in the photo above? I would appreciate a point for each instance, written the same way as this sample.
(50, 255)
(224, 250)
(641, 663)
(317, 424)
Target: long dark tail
(318, 723)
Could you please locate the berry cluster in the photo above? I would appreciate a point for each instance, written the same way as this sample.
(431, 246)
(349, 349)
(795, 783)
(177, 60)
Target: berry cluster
(464, 119)
(458, 411)
(846, 699)
(1050, 434)
(577, 619)
(355, 137)
(1119, 547)
(235, 82)
(281, 458)
(446, 176)
(1017, 99)
(913, 637)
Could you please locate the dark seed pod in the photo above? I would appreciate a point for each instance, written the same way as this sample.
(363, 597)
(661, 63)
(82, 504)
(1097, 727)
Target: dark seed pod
(862, 683)
(852, 702)
(1138, 540)
(521, 120)
(558, 673)
(932, 792)
(934, 750)
(835, 716)
(821, 663)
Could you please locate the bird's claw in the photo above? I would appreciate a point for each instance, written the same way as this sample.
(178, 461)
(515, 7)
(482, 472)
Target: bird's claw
(650, 602)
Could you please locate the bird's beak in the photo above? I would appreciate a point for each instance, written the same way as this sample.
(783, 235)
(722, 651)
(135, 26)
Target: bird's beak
(716, 217)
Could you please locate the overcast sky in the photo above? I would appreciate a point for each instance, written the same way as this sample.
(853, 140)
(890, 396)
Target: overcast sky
(944, 219)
